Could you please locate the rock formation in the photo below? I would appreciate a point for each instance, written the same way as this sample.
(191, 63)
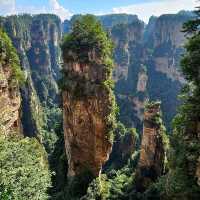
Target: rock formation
(10, 103)
(36, 39)
(88, 100)
(124, 147)
(10, 100)
(85, 130)
(157, 47)
(152, 153)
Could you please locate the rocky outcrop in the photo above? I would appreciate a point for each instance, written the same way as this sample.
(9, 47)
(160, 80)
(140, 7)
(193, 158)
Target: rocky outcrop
(164, 45)
(10, 103)
(86, 140)
(36, 39)
(152, 153)
(10, 100)
(168, 41)
(123, 149)
(157, 48)
(89, 108)
(128, 74)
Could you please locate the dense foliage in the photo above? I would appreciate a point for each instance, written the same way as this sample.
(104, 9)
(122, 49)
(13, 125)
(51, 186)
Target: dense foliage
(24, 172)
(9, 57)
(87, 35)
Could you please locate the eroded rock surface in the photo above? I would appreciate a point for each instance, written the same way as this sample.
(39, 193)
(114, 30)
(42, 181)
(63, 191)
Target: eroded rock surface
(85, 119)
(10, 100)
(152, 154)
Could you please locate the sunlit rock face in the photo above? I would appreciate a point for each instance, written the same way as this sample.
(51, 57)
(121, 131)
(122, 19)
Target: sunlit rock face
(85, 111)
(152, 154)
(10, 102)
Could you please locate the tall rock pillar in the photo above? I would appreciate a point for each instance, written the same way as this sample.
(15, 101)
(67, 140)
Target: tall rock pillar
(152, 154)
(88, 100)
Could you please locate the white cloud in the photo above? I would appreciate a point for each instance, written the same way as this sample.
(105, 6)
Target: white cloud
(7, 7)
(157, 8)
(59, 10)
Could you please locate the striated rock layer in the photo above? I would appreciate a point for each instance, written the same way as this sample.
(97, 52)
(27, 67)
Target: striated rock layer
(152, 154)
(85, 126)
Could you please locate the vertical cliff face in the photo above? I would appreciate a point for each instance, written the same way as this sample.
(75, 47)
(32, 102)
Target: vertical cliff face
(87, 145)
(88, 101)
(152, 154)
(164, 55)
(167, 42)
(10, 100)
(43, 55)
(130, 75)
(85, 114)
(36, 39)
(148, 66)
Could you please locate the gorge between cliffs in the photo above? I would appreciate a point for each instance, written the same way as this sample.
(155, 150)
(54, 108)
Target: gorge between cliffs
(100, 107)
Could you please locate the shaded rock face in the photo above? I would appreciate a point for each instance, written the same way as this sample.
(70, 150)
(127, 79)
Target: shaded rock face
(148, 66)
(85, 130)
(36, 39)
(10, 102)
(152, 154)
(167, 40)
(130, 80)
(165, 49)
(123, 149)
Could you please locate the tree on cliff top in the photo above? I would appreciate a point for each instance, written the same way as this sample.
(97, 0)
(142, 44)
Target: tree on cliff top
(87, 36)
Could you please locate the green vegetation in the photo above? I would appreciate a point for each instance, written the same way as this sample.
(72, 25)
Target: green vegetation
(116, 184)
(51, 127)
(5, 194)
(9, 57)
(24, 172)
(87, 36)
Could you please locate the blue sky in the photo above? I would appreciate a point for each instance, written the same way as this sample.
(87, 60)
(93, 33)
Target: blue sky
(66, 8)
(97, 5)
